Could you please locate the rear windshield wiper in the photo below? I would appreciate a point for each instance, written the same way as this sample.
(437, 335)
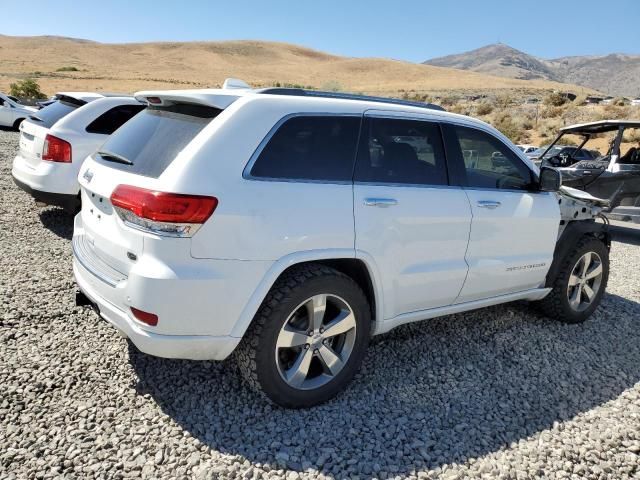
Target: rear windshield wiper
(36, 118)
(114, 157)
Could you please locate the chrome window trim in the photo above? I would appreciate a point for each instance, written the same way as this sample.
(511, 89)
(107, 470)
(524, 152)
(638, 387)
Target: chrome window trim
(246, 172)
(409, 185)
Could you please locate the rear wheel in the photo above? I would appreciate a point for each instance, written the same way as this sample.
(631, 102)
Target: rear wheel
(580, 284)
(308, 339)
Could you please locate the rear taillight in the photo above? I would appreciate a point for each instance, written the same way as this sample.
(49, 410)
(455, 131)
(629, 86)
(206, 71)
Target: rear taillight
(145, 317)
(56, 150)
(163, 213)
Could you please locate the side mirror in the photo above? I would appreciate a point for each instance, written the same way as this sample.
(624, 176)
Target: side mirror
(550, 179)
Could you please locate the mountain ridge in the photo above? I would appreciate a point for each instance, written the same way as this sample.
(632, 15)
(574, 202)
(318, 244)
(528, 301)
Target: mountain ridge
(60, 63)
(615, 73)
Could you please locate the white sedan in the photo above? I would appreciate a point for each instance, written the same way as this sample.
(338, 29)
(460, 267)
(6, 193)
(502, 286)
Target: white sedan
(12, 112)
(55, 141)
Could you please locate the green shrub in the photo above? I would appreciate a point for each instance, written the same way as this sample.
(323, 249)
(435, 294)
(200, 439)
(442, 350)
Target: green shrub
(484, 108)
(504, 100)
(448, 101)
(632, 135)
(580, 100)
(613, 112)
(67, 69)
(555, 99)
(551, 112)
(526, 123)
(460, 108)
(509, 127)
(27, 88)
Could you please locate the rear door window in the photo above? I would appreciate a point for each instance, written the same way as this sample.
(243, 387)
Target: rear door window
(148, 143)
(54, 112)
(112, 119)
(400, 151)
(310, 147)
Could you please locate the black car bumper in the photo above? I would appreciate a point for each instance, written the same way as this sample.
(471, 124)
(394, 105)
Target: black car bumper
(70, 203)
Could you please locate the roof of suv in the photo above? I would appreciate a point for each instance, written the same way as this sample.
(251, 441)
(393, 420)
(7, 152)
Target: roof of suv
(223, 97)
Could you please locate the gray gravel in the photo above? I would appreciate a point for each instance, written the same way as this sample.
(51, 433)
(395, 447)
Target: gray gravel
(497, 393)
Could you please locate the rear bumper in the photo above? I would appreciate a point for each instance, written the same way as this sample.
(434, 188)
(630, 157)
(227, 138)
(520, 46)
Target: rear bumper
(198, 302)
(70, 203)
(190, 347)
(48, 182)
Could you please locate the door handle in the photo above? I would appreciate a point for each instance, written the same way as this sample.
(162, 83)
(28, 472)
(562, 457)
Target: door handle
(490, 204)
(380, 202)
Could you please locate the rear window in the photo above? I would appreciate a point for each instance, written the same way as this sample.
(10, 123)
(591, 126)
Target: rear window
(113, 119)
(54, 112)
(148, 143)
(310, 148)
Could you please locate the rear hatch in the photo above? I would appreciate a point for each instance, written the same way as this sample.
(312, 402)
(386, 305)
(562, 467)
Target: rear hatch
(32, 137)
(33, 131)
(135, 155)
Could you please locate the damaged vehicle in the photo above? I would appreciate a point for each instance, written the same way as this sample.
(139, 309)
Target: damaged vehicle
(286, 227)
(613, 176)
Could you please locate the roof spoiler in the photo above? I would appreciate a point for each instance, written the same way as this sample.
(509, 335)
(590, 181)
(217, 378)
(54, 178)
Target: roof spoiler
(232, 83)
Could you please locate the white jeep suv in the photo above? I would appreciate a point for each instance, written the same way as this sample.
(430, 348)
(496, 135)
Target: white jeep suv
(55, 141)
(289, 226)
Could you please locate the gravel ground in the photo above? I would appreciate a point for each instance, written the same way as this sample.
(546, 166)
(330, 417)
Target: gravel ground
(497, 393)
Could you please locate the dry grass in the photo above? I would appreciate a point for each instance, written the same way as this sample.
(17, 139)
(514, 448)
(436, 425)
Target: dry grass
(138, 66)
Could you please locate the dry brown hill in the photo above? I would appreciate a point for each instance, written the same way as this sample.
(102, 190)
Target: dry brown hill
(137, 66)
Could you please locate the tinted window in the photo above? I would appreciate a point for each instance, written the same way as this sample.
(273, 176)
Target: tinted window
(52, 113)
(310, 148)
(111, 120)
(150, 141)
(489, 163)
(401, 151)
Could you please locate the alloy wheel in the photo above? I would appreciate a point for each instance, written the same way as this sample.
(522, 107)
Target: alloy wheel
(584, 281)
(315, 342)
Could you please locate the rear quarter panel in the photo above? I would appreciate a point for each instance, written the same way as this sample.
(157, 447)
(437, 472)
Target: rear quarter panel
(260, 219)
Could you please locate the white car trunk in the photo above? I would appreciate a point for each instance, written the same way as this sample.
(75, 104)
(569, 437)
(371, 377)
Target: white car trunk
(32, 142)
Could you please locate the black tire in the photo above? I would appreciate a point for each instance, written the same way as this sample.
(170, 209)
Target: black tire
(256, 355)
(556, 304)
(16, 124)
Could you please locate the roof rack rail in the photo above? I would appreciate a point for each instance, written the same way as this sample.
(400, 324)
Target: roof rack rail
(300, 92)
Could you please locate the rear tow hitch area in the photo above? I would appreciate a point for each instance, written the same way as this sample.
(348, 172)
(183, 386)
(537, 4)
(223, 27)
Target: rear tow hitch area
(83, 301)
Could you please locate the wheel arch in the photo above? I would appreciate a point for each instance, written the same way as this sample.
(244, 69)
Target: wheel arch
(570, 236)
(360, 270)
(17, 122)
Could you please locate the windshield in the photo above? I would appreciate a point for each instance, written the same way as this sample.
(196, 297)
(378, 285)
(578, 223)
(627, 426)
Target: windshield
(53, 112)
(150, 141)
(555, 150)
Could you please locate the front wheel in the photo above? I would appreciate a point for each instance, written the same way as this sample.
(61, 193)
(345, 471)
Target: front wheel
(580, 283)
(308, 339)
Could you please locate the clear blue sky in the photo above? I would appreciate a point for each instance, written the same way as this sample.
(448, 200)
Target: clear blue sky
(403, 29)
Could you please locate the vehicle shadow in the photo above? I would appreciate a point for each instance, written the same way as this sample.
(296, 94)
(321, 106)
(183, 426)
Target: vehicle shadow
(625, 232)
(58, 221)
(429, 394)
